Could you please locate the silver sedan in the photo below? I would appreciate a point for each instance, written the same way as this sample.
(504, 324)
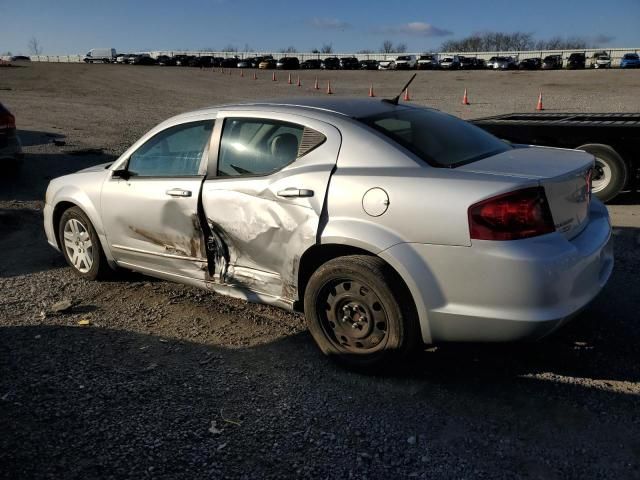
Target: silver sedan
(390, 226)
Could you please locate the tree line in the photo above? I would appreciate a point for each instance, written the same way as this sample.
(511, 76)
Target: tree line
(499, 41)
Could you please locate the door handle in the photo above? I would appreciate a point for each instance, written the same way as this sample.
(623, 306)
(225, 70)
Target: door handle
(178, 192)
(295, 192)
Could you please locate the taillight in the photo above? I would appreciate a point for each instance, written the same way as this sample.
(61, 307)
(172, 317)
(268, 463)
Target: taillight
(6, 119)
(521, 214)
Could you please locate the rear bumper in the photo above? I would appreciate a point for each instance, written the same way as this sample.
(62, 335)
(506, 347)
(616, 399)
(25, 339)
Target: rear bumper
(11, 149)
(508, 291)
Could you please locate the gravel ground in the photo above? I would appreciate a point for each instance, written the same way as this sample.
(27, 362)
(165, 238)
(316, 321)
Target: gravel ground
(141, 378)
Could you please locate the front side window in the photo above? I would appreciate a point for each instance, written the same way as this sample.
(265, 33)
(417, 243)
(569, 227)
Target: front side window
(174, 152)
(251, 146)
(439, 139)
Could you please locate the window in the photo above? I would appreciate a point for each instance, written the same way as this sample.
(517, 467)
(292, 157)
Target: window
(252, 146)
(439, 139)
(174, 152)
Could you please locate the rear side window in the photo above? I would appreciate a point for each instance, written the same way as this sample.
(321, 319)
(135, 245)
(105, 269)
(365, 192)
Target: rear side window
(174, 152)
(251, 146)
(439, 139)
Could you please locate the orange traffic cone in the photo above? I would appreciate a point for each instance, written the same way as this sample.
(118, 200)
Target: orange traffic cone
(289, 82)
(539, 105)
(316, 86)
(299, 83)
(329, 92)
(273, 77)
(407, 98)
(465, 99)
(255, 77)
(371, 94)
(241, 72)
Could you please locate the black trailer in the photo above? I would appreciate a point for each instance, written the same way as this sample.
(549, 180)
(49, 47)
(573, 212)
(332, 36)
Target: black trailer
(612, 138)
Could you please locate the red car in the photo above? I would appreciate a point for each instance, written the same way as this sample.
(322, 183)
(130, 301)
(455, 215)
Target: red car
(10, 146)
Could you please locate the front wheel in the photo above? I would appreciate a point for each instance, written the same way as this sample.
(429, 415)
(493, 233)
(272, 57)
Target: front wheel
(609, 173)
(81, 245)
(358, 313)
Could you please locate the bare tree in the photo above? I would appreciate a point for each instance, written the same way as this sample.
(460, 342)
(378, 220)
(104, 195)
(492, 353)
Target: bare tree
(230, 48)
(400, 48)
(518, 41)
(34, 46)
(326, 48)
(365, 51)
(387, 47)
(289, 50)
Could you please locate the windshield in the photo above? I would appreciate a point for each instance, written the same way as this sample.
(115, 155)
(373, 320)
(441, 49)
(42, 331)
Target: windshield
(403, 58)
(631, 56)
(439, 139)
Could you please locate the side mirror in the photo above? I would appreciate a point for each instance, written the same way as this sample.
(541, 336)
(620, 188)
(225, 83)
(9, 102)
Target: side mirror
(122, 173)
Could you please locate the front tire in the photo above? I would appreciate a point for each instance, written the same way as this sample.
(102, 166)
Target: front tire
(359, 313)
(610, 171)
(80, 245)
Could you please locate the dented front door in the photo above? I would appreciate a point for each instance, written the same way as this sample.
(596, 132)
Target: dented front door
(151, 217)
(263, 215)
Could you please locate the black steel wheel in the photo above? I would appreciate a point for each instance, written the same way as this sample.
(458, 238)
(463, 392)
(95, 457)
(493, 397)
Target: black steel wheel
(359, 312)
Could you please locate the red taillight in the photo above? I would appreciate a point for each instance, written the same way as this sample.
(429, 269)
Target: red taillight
(6, 119)
(511, 216)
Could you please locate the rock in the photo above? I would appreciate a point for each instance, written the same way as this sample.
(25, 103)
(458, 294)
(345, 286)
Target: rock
(61, 306)
(411, 440)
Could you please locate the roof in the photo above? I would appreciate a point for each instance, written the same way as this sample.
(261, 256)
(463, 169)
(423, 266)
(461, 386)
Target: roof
(350, 107)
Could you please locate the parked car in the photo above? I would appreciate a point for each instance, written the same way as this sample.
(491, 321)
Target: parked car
(183, 60)
(20, 58)
(205, 61)
(217, 61)
(505, 63)
(576, 61)
(427, 62)
(311, 64)
(11, 155)
(406, 62)
(122, 58)
(467, 63)
(145, 59)
(244, 63)
(481, 63)
(166, 61)
(552, 62)
(450, 63)
(491, 63)
(600, 60)
(230, 62)
(368, 64)
(256, 61)
(330, 63)
(386, 64)
(288, 63)
(372, 218)
(349, 63)
(268, 64)
(102, 55)
(630, 60)
(530, 64)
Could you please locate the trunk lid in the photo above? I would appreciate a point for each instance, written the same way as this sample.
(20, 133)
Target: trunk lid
(565, 176)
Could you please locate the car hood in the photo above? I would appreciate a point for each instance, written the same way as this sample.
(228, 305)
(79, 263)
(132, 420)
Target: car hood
(95, 168)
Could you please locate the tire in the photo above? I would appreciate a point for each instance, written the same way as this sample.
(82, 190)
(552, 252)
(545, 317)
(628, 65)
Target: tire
(359, 312)
(91, 262)
(610, 172)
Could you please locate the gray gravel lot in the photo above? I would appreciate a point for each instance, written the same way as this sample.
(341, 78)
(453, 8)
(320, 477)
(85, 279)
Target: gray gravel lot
(166, 381)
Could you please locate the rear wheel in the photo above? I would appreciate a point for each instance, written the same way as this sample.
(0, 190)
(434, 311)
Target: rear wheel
(81, 246)
(610, 172)
(358, 313)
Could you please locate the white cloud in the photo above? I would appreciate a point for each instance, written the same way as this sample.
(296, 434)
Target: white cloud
(418, 29)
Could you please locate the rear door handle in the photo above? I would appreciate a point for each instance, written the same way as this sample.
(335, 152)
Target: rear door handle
(295, 192)
(178, 192)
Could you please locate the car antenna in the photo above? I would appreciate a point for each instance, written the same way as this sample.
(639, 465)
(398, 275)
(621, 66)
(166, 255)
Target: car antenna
(396, 99)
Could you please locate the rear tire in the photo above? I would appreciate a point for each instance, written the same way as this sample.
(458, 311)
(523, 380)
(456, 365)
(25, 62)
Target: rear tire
(359, 312)
(81, 246)
(610, 171)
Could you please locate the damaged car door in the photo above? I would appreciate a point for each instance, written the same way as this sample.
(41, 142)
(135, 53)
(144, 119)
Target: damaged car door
(150, 206)
(263, 199)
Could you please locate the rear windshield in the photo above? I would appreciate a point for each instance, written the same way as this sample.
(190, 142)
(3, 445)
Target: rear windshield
(439, 139)
(631, 56)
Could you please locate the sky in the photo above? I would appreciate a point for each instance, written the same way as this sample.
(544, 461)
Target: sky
(74, 26)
